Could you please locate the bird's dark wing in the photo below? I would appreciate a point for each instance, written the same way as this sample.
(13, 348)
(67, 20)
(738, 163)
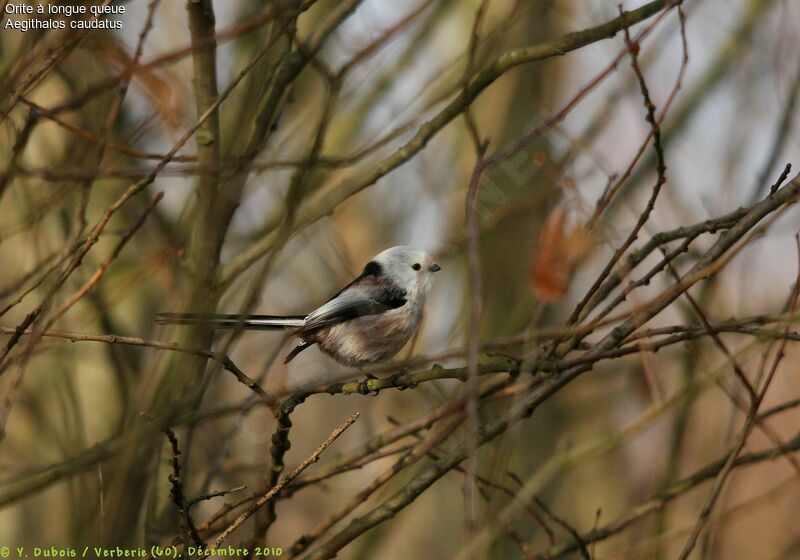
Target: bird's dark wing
(367, 295)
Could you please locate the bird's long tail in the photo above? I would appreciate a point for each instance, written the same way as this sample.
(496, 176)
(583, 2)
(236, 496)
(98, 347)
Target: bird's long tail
(224, 321)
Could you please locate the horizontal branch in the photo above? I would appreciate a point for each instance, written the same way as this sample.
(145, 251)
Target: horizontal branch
(401, 381)
(221, 359)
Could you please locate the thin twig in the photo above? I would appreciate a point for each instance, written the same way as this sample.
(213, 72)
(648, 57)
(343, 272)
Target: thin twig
(177, 493)
(223, 360)
(741, 439)
(307, 462)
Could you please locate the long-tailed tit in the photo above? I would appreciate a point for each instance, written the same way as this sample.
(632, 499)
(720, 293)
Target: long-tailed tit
(368, 321)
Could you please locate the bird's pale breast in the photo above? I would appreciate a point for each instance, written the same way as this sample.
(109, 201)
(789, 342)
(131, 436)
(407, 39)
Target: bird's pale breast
(369, 339)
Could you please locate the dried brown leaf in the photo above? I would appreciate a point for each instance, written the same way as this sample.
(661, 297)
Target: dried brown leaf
(558, 251)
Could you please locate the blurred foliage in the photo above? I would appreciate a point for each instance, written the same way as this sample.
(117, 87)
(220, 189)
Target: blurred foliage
(294, 140)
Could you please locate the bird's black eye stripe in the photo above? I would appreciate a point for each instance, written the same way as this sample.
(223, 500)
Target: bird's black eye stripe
(416, 266)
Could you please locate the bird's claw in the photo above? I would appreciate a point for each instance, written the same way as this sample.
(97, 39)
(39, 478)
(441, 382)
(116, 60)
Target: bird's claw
(363, 387)
(394, 380)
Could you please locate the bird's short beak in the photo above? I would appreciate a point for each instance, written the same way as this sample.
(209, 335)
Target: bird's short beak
(435, 268)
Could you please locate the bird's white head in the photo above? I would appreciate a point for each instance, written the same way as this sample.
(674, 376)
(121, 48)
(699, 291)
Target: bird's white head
(411, 269)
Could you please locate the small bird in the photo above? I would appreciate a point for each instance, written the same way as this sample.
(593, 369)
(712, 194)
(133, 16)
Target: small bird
(368, 321)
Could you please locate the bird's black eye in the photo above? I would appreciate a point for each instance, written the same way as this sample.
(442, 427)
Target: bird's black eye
(416, 266)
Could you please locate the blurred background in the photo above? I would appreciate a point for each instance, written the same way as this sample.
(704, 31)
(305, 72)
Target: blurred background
(279, 199)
